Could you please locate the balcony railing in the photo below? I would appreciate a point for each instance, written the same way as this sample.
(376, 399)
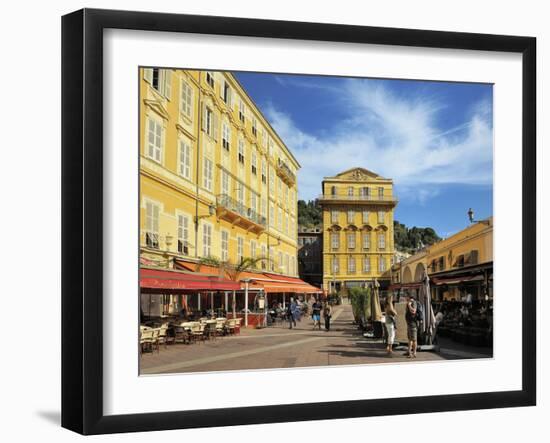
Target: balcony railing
(358, 198)
(229, 203)
(285, 172)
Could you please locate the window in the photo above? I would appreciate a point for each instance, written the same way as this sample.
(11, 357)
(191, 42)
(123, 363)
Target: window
(206, 240)
(252, 249)
(351, 265)
(335, 265)
(242, 111)
(253, 162)
(286, 224)
(271, 215)
(366, 217)
(364, 192)
(333, 190)
(264, 171)
(350, 191)
(381, 241)
(241, 152)
(155, 140)
(185, 159)
(366, 240)
(351, 240)
(226, 136)
(226, 93)
(263, 208)
(210, 122)
(225, 183)
(366, 265)
(254, 201)
(335, 240)
(183, 234)
(334, 216)
(263, 252)
(254, 126)
(280, 260)
(208, 172)
(292, 266)
(381, 264)
(240, 249)
(351, 216)
(441, 264)
(381, 193)
(186, 99)
(160, 80)
(152, 211)
(240, 194)
(280, 188)
(225, 245)
(272, 257)
(210, 78)
(287, 264)
(280, 219)
(271, 182)
(381, 217)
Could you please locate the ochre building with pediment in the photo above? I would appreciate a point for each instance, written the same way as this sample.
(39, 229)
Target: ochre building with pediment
(358, 244)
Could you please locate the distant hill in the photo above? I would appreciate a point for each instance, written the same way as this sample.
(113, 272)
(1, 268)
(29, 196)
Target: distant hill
(310, 213)
(409, 239)
(405, 239)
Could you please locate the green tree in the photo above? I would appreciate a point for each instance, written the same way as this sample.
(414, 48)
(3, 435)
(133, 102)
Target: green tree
(410, 239)
(310, 213)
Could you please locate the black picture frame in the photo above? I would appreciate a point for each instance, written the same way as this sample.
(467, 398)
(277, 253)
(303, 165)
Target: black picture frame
(82, 218)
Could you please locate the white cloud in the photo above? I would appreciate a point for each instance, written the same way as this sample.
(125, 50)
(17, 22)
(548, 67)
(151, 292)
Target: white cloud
(397, 137)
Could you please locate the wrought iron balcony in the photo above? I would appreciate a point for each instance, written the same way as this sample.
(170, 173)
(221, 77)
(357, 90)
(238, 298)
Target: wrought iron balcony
(239, 214)
(284, 171)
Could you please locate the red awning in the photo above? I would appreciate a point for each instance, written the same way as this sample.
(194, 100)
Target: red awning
(156, 279)
(265, 281)
(271, 283)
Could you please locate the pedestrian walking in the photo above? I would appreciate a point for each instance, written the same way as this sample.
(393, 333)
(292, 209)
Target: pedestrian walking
(316, 314)
(391, 324)
(327, 314)
(291, 313)
(412, 326)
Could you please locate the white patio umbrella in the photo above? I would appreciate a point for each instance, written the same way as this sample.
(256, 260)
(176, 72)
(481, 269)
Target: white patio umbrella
(429, 317)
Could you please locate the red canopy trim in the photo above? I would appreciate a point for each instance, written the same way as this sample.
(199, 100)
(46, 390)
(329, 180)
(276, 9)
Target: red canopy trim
(177, 281)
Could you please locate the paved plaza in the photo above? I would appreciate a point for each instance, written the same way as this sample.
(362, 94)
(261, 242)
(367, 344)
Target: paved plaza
(280, 347)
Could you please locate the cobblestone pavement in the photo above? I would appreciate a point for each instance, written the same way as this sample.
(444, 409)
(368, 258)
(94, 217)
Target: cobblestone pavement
(280, 347)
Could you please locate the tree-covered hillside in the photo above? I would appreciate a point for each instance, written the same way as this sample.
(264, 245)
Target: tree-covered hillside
(309, 213)
(405, 239)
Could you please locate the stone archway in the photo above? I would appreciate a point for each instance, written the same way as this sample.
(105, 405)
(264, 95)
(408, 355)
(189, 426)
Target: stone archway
(419, 272)
(407, 275)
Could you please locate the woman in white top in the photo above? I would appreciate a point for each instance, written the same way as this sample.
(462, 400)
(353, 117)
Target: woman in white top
(390, 323)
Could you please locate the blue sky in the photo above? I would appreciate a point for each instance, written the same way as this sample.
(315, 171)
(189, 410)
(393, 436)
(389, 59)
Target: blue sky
(434, 139)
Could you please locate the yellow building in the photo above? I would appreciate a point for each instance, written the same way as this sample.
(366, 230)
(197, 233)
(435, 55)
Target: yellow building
(358, 243)
(459, 265)
(215, 178)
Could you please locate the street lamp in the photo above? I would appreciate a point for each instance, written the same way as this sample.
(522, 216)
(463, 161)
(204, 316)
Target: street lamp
(211, 212)
(471, 218)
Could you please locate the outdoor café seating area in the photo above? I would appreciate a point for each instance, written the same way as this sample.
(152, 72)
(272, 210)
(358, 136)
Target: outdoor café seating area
(156, 334)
